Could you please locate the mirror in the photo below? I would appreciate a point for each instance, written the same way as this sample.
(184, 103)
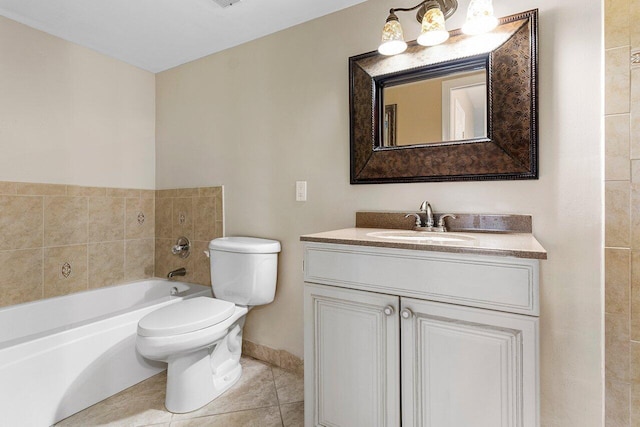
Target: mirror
(433, 110)
(463, 110)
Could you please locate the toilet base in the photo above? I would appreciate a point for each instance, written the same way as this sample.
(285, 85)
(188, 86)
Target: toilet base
(194, 379)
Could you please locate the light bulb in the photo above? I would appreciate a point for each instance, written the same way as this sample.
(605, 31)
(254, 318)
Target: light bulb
(392, 37)
(433, 28)
(480, 18)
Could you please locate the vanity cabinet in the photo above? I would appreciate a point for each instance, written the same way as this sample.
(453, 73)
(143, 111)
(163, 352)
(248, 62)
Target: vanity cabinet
(417, 338)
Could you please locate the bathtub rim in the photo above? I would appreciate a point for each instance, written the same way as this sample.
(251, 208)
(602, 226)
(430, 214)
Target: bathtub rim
(192, 291)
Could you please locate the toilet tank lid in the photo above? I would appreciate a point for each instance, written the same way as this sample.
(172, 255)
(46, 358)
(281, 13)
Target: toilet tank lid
(247, 245)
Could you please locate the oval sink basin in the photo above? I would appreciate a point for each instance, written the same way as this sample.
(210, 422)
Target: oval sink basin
(421, 236)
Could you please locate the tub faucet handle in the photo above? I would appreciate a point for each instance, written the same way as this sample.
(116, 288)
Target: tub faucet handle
(182, 247)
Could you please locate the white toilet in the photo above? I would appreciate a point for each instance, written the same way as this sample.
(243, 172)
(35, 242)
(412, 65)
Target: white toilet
(201, 338)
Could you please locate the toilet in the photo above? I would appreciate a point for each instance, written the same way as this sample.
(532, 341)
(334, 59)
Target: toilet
(201, 338)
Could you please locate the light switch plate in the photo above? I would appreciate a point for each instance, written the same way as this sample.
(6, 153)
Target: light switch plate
(301, 191)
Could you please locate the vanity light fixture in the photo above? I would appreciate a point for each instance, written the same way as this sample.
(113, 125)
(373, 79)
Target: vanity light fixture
(431, 14)
(480, 18)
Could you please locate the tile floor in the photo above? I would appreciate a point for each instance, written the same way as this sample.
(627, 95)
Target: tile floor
(265, 396)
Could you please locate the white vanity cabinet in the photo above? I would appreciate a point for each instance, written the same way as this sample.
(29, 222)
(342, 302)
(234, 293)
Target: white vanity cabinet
(418, 338)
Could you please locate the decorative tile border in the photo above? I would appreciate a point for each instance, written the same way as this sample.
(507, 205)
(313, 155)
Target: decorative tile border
(635, 59)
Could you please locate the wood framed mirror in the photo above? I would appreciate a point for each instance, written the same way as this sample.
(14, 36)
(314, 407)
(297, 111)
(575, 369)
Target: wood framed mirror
(463, 110)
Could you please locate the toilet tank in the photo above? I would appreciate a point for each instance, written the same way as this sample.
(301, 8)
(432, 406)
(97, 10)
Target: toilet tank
(244, 269)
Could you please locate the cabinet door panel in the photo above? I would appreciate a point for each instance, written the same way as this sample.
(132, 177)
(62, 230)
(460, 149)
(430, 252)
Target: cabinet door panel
(467, 367)
(351, 358)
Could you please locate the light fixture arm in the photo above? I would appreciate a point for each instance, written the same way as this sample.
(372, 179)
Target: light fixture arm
(448, 8)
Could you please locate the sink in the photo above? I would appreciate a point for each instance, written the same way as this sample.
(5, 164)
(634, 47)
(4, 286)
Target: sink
(421, 236)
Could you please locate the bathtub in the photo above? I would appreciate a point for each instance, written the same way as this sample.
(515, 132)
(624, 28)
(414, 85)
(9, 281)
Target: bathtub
(63, 354)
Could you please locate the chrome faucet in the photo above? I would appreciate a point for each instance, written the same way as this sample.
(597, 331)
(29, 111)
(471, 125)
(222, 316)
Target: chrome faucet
(182, 247)
(426, 208)
(429, 223)
(178, 272)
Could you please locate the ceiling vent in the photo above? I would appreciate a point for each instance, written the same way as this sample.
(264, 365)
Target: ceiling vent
(226, 3)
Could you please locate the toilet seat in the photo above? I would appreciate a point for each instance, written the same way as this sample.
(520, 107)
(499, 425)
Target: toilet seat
(185, 316)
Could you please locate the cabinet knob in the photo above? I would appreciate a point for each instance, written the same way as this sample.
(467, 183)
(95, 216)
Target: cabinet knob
(406, 314)
(388, 310)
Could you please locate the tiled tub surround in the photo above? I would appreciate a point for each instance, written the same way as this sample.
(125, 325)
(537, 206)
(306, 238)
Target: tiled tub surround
(196, 213)
(61, 355)
(60, 239)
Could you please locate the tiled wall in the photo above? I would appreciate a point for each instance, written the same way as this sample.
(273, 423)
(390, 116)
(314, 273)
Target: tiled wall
(622, 212)
(59, 239)
(195, 213)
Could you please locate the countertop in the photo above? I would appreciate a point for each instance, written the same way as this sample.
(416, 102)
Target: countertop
(519, 245)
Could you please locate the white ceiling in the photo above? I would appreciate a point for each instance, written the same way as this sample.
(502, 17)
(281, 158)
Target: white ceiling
(156, 35)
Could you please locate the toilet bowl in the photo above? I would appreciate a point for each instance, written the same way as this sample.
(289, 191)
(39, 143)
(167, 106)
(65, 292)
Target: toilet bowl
(201, 338)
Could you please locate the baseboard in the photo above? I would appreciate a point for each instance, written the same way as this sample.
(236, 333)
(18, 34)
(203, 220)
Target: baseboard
(280, 358)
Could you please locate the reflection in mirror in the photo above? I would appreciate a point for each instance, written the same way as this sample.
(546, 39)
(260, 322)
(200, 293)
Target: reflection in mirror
(436, 110)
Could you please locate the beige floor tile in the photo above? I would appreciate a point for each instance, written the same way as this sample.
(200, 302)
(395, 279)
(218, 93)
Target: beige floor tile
(289, 386)
(262, 417)
(252, 402)
(140, 405)
(292, 414)
(255, 389)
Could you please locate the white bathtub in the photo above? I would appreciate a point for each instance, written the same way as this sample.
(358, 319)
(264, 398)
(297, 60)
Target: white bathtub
(61, 355)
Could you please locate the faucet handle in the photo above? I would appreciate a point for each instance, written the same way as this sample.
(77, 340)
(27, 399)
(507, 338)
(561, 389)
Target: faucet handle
(441, 223)
(418, 220)
(423, 206)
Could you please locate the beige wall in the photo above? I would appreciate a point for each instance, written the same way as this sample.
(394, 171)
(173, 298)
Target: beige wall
(622, 213)
(69, 115)
(419, 111)
(260, 116)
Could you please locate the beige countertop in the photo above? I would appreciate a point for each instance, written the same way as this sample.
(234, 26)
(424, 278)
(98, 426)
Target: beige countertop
(520, 245)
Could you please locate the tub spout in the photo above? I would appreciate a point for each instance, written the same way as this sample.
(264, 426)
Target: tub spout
(178, 272)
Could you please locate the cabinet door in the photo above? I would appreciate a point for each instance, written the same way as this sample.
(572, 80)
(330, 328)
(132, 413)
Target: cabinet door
(467, 367)
(351, 358)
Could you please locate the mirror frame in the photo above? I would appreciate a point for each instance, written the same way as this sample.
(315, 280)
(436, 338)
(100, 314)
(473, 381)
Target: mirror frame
(510, 150)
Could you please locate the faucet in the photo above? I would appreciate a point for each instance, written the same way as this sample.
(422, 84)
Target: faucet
(178, 272)
(426, 208)
(429, 223)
